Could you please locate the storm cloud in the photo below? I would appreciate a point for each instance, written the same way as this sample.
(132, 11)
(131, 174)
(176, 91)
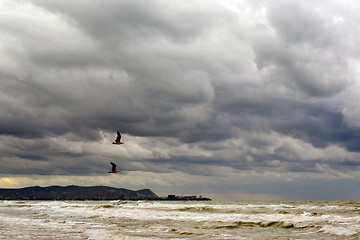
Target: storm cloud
(207, 92)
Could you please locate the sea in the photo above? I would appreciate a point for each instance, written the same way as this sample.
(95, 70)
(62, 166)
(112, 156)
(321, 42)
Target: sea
(180, 220)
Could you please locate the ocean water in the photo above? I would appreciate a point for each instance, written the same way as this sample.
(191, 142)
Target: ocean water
(179, 220)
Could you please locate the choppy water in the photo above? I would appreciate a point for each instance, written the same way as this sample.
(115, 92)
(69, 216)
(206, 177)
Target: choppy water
(178, 220)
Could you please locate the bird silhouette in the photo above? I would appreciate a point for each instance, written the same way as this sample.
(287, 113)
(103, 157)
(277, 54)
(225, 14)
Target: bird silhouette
(113, 168)
(118, 138)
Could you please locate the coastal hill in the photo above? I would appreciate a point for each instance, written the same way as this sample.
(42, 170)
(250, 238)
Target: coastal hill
(87, 193)
(75, 193)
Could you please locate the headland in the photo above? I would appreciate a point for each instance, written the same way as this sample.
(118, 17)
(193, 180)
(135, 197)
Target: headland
(74, 192)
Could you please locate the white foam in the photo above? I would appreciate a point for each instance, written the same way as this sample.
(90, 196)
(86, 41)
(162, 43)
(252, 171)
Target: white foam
(107, 219)
(338, 230)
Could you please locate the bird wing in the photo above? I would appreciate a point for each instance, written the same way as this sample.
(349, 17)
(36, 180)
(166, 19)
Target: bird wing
(118, 136)
(113, 166)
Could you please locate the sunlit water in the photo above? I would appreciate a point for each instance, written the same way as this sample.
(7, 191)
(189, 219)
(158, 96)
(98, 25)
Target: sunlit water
(178, 220)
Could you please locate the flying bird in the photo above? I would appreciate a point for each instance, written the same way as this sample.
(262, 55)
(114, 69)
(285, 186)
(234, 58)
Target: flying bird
(113, 168)
(118, 138)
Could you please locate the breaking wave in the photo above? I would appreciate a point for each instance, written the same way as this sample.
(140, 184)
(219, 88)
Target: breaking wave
(198, 209)
(166, 220)
(265, 224)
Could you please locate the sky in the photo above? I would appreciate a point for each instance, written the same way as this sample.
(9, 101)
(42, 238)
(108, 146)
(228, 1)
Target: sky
(233, 100)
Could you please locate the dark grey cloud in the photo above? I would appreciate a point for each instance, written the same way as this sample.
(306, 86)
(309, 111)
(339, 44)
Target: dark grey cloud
(198, 88)
(307, 51)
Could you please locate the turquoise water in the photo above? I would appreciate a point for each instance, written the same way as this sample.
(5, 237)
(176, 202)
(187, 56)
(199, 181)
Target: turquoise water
(179, 220)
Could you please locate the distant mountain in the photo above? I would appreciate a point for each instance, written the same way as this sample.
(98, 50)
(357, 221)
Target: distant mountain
(75, 193)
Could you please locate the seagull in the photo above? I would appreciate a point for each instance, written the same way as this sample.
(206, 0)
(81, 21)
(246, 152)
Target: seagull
(113, 168)
(118, 137)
